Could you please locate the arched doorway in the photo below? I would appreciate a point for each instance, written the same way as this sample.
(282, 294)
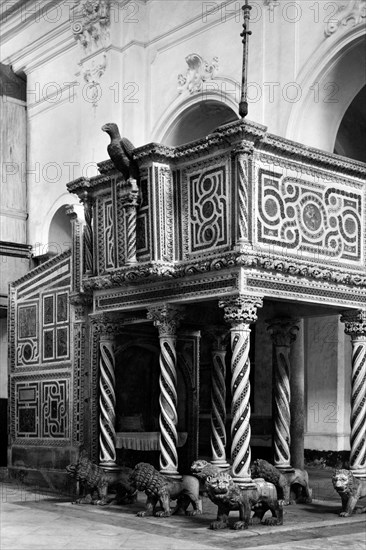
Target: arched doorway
(197, 121)
(351, 137)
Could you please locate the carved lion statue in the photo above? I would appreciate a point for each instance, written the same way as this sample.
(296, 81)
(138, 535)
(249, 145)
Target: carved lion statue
(95, 482)
(228, 496)
(161, 489)
(262, 469)
(350, 489)
(201, 469)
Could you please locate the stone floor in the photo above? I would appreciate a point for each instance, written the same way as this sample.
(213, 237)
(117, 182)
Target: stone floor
(31, 519)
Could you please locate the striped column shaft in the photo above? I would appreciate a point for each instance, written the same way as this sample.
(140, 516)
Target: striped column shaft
(358, 407)
(355, 326)
(218, 412)
(242, 198)
(168, 407)
(240, 409)
(283, 332)
(107, 403)
(167, 318)
(131, 218)
(130, 201)
(88, 236)
(240, 312)
(282, 411)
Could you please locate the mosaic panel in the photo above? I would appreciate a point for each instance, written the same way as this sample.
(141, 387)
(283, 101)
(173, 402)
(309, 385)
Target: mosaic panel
(208, 210)
(312, 219)
(55, 408)
(27, 321)
(55, 339)
(62, 309)
(27, 398)
(27, 337)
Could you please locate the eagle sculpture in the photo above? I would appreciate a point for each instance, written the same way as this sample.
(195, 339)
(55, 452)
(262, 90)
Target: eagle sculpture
(120, 151)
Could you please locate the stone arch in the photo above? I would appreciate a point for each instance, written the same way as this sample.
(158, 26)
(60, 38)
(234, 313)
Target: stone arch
(56, 227)
(351, 135)
(330, 80)
(195, 117)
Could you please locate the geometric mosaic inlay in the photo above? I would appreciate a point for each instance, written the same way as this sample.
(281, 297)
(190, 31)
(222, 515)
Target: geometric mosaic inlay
(208, 210)
(316, 220)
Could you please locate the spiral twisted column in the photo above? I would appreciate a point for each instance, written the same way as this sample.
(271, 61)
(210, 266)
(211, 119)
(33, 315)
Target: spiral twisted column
(167, 319)
(283, 333)
(355, 326)
(88, 233)
(242, 155)
(130, 202)
(107, 400)
(240, 312)
(218, 397)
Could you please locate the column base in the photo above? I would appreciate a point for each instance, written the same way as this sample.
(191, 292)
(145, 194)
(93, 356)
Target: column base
(109, 466)
(286, 469)
(360, 473)
(221, 464)
(173, 474)
(245, 483)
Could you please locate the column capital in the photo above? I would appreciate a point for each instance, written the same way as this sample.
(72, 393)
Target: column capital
(166, 318)
(130, 195)
(283, 330)
(241, 309)
(355, 322)
(106, 326)
(218, 336)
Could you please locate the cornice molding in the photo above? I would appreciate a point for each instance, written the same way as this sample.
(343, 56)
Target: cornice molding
(298, 270)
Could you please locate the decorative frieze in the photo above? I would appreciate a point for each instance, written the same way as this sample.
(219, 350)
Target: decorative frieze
(322, 222)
